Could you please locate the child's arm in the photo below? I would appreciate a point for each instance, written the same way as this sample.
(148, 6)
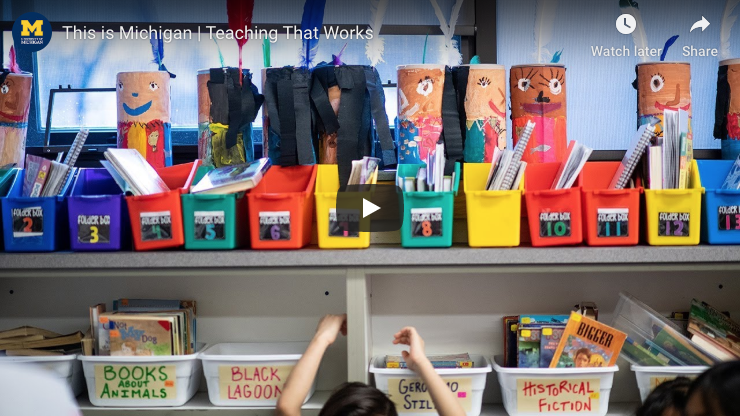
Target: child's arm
(416, 360)
(301, 378)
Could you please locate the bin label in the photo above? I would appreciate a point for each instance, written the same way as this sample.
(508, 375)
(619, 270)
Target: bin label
(274, 225)
(28, 222)
(344, 224)
(156, 226)
(657, 381)
(252, 382)
(93, 229)
(210, 225)
(554, 224)
(411, 395)
(426, 222)
(729, 218)
(540, 395)
(673, 224)
(136, 382)
(612, 222)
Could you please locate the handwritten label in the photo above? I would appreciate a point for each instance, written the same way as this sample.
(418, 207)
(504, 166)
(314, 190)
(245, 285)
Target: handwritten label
(612, 222)
(344, 224)
(657, 381)
(729, 218)
(210, 225)
(274, 225)
(554, 224)
(156, 226)
(28, 222)
(93, 229)
(426, 222)
(557, 395)
(137, 382)
(411, 395)
(249, 382)
(673, 224)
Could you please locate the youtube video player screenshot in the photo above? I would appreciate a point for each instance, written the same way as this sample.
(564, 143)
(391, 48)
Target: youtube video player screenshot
(370, 207)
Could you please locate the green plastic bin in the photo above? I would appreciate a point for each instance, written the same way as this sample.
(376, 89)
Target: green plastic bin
(421, 213)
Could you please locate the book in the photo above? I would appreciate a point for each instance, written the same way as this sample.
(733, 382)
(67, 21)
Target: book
(137, 334)
(139, 175)
(511, 324)
(732, 181)
(38, 170)
(76, 148)
(528, 347)
(438, 361)
(655, 167)
(549, 341)
(685, 146)
(577, 156)
(29, 352)
(639, 355)
(95, 312)
(57, 175)
(26, 331)
(634, 152)
(587, 343)
(70, 341)
(514, 167)
(232, 179)
(163, 305)
(713, 330)
(679, 347)
(538, 321)
(671, 149)
(15, 340)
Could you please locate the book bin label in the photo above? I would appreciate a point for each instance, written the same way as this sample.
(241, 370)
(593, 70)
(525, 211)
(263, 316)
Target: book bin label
(274, 225)
(554, 224)
(252, 382)
(612, 222)
(346, 223)
(135, 382)
(28, 222)
(156, 226)
(673, 224)
(558, 395)
(209, 225)
(411, 395)
(729, 218)
(93, 229)
(426, 222)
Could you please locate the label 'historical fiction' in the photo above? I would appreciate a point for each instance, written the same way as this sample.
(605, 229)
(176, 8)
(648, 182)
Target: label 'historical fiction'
(557, 395)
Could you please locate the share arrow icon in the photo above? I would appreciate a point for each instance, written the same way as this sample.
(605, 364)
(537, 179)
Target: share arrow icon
(703, 24)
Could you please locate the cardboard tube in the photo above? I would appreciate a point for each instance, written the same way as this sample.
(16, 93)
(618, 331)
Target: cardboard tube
(15, 99)
(661, 86)
(727, 117)
(485, 112)
(420, 90)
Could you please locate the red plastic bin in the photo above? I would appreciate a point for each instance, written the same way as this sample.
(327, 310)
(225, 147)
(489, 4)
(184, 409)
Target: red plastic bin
(611, 217)
(156, 220)
(554, 215)
(281, 208)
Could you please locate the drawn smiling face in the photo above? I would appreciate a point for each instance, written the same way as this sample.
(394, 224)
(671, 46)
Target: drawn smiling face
(420, 91)
(15, 98)
(143, 96)
(486, 93)
(538, 91)
(663, 86)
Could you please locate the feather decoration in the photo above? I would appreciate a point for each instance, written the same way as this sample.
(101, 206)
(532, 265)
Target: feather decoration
(424, 53)
(638, 36)
(475, 60)
(668, 44)
(375, 47)
(336, 60)
(158, 51)
(556, 57)
(544, 26)
(313, 20)
(13, 66)
(239, 15)
(220, 55)
(728, 20)
(449, 52)
(266, 58)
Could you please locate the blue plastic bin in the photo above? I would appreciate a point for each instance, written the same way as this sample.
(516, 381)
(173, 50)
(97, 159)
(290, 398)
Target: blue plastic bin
(35, 224)
(98, 213)
(720, 207)
(6, 179)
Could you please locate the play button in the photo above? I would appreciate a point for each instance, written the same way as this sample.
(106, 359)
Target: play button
(376, 209)
(368, 208)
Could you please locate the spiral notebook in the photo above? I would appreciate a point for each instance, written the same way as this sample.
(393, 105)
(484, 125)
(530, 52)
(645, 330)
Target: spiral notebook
(639, 143)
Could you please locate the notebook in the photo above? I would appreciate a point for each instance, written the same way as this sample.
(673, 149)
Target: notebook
(639, 143)
(138, 174)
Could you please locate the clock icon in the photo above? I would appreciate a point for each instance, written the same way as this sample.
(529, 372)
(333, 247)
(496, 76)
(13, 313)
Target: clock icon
(626, 24)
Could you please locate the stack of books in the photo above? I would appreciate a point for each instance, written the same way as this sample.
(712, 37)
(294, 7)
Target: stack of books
(31, 341)
(438, 361)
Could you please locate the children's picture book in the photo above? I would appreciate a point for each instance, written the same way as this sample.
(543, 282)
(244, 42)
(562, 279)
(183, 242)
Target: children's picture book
(732, 181)
(37, 173)
(528, 346)
(438, 361)
(549, 341)
(232, 179)
(587, 343)
(639, 355)
(714, 331)
(138, 334)
(677, 345)
(537, 321)
(511, 324)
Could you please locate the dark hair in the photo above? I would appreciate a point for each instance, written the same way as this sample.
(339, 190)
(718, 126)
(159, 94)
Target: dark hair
(719, 387)
(672, 393)
(358, 399)
(584, 351)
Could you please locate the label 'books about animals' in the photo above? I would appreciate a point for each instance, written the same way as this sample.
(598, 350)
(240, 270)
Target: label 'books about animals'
(587, 343)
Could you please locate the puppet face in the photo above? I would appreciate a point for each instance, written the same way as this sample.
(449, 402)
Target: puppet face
(425, 86)
(663, 86)
(538, 91)
(143, 96)
(420, 91)
(733, 78)
(486, 93)
(15, 94)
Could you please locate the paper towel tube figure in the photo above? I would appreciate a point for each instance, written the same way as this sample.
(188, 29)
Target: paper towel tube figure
(144, 115)
(419, 126)
(662, 86)
(15, 99)
(538, 94)
(727, 112)
(485, 112)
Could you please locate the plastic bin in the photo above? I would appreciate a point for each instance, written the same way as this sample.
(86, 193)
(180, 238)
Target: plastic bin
(527, 391)
(611, 216)
(281, 208)
(64, 367)
(434, 210)
(674, 215)
(98, 214)
(332, 233)
(648, 378)
(250, 375)
(35, 224)
(494, 218)
(156, 220)
(720, 207)
(215, 222)
(6, 180)
(172, 381)
(554, 215)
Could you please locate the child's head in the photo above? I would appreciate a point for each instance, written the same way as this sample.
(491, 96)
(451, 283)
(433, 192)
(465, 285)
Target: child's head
(716, 392)
(668, 399)
(358, 399)
(582, 357)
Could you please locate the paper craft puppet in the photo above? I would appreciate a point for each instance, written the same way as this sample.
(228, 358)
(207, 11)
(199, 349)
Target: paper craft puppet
(419, 127)
(144, 115)
(15, 99)
(485, 112)
(662, 86)
(727, 112)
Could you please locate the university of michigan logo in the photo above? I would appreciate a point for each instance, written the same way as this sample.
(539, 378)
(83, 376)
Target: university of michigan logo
(31, 32)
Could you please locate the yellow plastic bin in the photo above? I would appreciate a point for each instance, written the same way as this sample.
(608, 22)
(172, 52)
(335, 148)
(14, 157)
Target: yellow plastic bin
(674, 215)
(336, 232)
(494, 217)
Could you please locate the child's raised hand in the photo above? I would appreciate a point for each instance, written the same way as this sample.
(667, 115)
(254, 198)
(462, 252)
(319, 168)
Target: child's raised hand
(415, 355)
(330, 326)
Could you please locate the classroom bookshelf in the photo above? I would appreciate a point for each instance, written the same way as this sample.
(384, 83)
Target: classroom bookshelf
(455, 297)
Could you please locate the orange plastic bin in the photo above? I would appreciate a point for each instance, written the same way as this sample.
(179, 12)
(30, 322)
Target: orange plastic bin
(554, 215)
(611, 216)
(281, 208)
(156, 220)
